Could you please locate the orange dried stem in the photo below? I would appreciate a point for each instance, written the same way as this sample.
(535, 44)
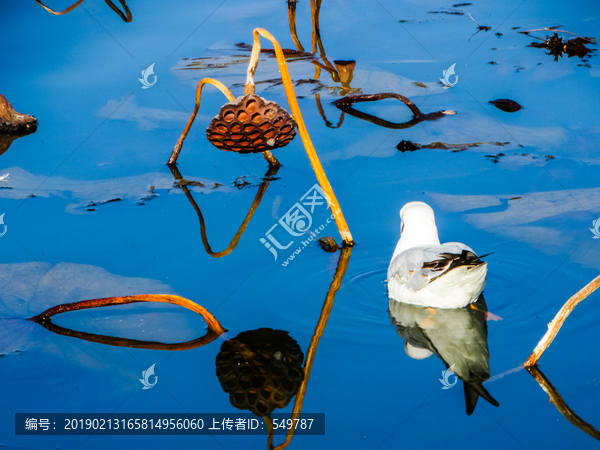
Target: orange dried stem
(127, 18)
(314, 343)
(293, 101)
(60, 13)
(292, 22)
(560, 404)
(561, 316)
(234, 242)
(211, 321)
(218, 85)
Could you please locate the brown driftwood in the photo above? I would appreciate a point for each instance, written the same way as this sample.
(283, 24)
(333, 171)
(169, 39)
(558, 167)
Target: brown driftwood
(557, 322)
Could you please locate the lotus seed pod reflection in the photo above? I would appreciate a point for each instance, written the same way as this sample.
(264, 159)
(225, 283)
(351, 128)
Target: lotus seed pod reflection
(261, 370)
(251, 124)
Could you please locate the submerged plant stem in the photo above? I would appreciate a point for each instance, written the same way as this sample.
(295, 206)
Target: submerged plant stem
(201, 83)
(560, 404)
(336, 283)
(557, 322)
(234, 242)
(293, 101)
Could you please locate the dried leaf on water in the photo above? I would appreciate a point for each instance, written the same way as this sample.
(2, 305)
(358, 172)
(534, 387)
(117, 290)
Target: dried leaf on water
(506, 105)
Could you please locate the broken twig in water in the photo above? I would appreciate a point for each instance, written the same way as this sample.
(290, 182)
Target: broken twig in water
(557, 322)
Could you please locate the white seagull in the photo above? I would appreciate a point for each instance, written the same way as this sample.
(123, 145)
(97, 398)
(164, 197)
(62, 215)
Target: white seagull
(426, 273)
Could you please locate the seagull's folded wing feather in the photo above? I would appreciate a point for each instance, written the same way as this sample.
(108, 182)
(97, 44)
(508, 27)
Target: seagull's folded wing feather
(418, 266)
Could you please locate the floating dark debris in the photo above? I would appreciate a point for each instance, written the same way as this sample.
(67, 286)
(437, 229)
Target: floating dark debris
(408, 146)
(495, 158)
(458, 5)
(499, 34)
(557, 47)
(493, 63)
(506, 105)
(454, 13)
(328, 244)
(14, 123)
(286, 51)
(240, 183)
(479, 27)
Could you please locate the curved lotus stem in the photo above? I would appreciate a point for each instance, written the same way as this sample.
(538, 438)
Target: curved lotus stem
(212, 323)
(376, 120)
(293, 101)
(561, 316)
(418, 115)
(201, 83)
(560, 404)
(127, 18)
(292, 22)
(234, 242)
(322, 112)
(125, 8)
(130, 343)
(175, 154)
(315, 9)
(336, 283)
(60, 13)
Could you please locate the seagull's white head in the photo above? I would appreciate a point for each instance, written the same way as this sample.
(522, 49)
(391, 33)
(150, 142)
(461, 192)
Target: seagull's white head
(417, 227)
(415, 352)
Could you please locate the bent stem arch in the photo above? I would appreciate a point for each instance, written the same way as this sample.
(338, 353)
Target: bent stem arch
(220, 86)
(336, 283)
(293, 102)
(234, 242)
(322, 112)
(559, 319)
(126, 18)
(175, 154)
(215, 328)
